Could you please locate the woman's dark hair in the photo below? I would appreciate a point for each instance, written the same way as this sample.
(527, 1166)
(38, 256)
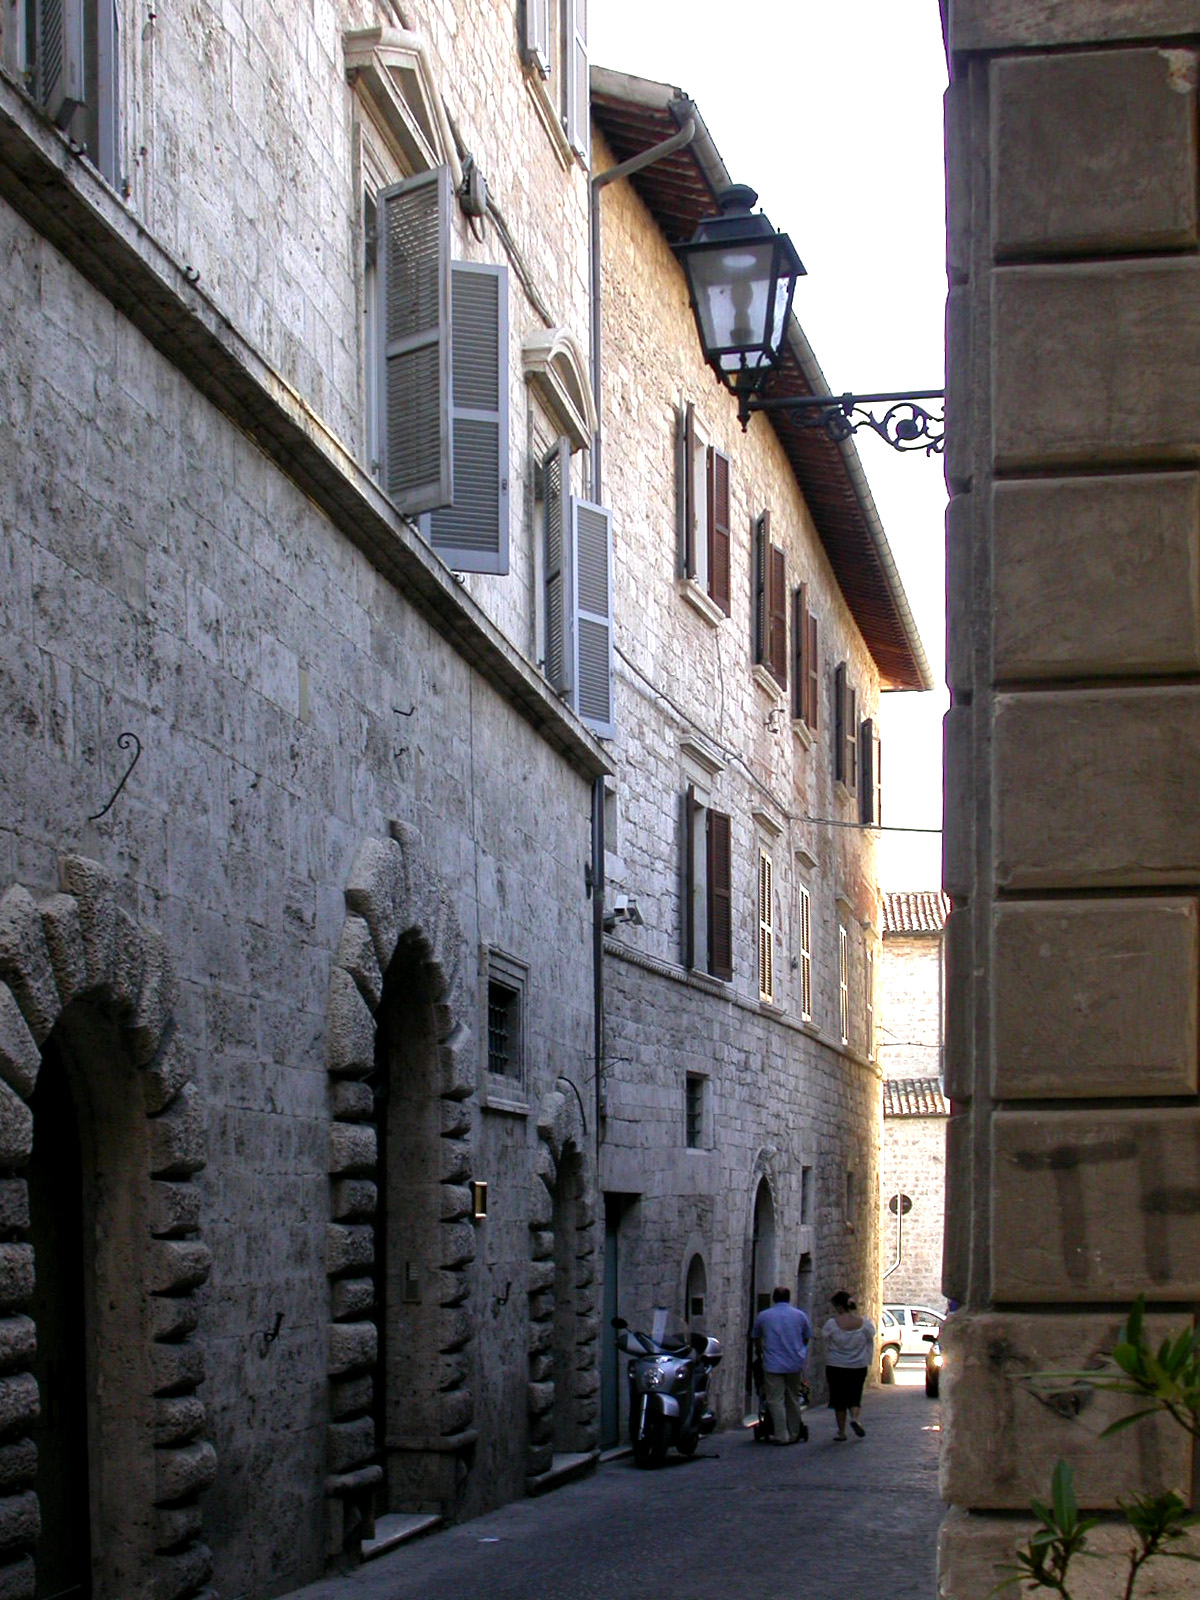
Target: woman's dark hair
(842, 1301)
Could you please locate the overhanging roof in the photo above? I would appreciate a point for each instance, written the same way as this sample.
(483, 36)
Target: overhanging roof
(635, 113)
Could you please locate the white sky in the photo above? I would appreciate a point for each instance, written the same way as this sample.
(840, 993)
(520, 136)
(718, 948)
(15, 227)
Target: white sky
(834, 114)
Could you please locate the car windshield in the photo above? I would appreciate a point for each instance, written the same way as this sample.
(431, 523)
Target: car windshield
(661, 1332)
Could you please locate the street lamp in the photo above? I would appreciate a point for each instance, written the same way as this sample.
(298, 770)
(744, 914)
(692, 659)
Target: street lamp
(741, 276)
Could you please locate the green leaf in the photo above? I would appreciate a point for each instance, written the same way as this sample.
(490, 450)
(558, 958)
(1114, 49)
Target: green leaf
(1127, 1421)
(1062, 1492)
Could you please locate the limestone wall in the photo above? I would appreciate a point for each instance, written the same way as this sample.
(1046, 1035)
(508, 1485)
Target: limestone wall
(1070, 856)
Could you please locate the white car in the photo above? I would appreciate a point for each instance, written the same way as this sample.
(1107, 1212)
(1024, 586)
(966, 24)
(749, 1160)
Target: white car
(905, 1330)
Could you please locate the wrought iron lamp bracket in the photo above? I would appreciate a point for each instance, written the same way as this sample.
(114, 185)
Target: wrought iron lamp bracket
(905, 424)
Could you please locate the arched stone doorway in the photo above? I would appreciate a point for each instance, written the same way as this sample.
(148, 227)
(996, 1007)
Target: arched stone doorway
(763, 1266)
(400, 1434)
(564, 1378)
(101, 1132)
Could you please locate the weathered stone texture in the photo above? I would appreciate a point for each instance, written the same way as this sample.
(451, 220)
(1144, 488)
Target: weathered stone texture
(1095, 997)
(1093, 154)
(1094, 1205)
(1096, 577)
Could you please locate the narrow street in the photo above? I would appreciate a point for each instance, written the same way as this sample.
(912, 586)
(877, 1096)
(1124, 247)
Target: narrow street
(820, 1521)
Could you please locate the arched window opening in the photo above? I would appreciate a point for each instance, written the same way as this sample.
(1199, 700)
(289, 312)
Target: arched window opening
(696, 1309)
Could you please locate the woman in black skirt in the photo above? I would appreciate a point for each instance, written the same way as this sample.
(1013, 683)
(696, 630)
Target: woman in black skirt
(849, 1341)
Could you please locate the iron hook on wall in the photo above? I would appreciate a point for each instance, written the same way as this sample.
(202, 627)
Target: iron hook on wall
(124, 741)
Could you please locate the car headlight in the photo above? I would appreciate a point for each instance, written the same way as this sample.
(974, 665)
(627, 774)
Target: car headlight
(936, 1359)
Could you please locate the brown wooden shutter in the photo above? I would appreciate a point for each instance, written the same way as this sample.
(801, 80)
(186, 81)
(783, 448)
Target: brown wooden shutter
(852, 739)
(720, 896)
(761, 577)
(813, 683)
(719, 529)
(839, 722)
(689, 877)
(870, 810)
(799, 653)
(777, 602)
(687, 486)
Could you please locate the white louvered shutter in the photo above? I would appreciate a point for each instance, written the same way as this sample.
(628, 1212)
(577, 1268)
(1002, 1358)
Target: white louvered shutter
(471, 535)
(558, 568)
(60, 58)
(578, 109)
(593, 616)
(415, 341)
(537, 35)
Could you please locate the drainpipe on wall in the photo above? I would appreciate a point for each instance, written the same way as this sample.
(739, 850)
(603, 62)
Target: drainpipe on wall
(598, 954)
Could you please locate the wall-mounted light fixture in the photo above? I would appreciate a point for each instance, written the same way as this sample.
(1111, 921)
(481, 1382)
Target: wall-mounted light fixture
(741, 276)
(479, 1200)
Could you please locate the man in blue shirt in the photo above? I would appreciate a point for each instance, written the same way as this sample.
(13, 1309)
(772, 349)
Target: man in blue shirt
(781, 1337)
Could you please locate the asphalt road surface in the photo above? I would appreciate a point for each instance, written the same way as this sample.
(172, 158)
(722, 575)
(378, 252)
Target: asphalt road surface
(819, 1521)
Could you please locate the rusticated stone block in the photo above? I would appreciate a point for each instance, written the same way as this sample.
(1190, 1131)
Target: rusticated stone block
(348, 1248)
(20, 1520)
(539, 1458)
(541, 1243)
(455, 1202)
(156, 999)
(173, 1318)
(456, 1331)
(1093, 153)
(174, 1209)
(456, 1244)
(956, 107)
(541, 1368)
(349, 1444)
(1095, 1205)
(19, 1403)
(960, 665)
(541, 1337)
(18, 1342)
(350, 1397)
(454, 1160)
(540, 1397)
(25, 961)
(1095, 997)
(350, 1029)
(351, 1198)
(352, 1148)
(1092, 576)
(455, 1118)
(178, 1418)
(1001, 1438)
(541, 1304)
(351, 1298)
(457, 1062)
(356, 953)
(540, 1275)
(453, 1286)
(539, 1206)
(184, 1471)
(176, 1368)
(64, 941)
(14, 1205)
(1028, 24)
(376, 889)
(173, 1265)
(1093, 364)
(94, 888)
(16, 1128)
(182, 1572)
(456, 1409)
(166, 1075)
(176, 1525)
(958, 825)
(177, 1143)
(18, 1580)
(20, 1057)
(129, 953)
(352, 1347)
(540, 1429)
(18, 1464)
(351, 1100)
(16, 1275)
(956, 1241)
(1095, 788)
(960, 401)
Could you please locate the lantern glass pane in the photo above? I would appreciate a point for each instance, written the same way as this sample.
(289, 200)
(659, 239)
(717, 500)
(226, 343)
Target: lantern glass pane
(732, 289)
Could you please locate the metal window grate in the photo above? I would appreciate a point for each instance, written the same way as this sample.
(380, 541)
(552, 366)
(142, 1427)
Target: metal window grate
(504, 1032)
(695, 1111)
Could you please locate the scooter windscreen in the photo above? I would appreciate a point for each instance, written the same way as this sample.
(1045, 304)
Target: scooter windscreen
(663, 1332)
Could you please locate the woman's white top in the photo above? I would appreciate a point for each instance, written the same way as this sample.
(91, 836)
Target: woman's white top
(848, 1347)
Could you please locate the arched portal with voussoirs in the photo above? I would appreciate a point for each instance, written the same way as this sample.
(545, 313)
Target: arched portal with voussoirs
(400, 1434)
(564, 1377)
(101, 1131)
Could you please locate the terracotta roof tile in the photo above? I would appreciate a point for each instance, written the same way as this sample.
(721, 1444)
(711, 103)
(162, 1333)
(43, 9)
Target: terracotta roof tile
(914, 911)
(914, 1097)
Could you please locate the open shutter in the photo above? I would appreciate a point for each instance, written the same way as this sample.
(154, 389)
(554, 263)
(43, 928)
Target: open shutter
(720, 896)
(839, 722)
(812, 674)
(762, 578)
(689, 877)
(766, 928)
(471, 535)
(414, 333)
(870, 810)
(851, 739)
(777, 603)
(687, 486)
(719, 529)
(60, 58)
(799, 638)
(578, 113)
(558, 567)
(592, 526)
(537, 35)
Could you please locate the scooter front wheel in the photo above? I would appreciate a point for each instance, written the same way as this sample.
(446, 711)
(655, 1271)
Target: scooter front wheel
(651, 1449)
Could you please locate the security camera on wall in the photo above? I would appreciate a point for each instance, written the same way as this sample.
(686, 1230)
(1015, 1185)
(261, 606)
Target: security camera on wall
(624, 909)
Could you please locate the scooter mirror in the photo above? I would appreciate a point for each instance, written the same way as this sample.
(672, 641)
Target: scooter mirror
(699, 1343)
(619, 1323)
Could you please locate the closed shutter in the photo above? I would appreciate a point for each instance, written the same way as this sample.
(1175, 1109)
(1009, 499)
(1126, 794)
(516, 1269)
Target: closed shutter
(720, 896)
(839, 722)
(593, 616)
(761, 580)
(537, 35)
(687, 486)
(689, 877)
(851, 739)
(578, 108)
(766, 928)
(471, 535)
(414, 334)
(813, 674)
(799, 651)
(870, 793)
(805, 955)
(558, 568)
(60, 58)
(777, 611)
(719, 529)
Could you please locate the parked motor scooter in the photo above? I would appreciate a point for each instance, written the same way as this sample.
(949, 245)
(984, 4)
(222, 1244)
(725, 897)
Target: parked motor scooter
(668, 1385)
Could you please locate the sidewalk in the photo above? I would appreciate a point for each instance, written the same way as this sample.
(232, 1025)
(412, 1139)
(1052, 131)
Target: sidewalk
(741, 1521)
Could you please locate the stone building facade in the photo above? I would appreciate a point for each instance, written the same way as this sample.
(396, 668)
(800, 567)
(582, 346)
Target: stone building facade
(1071, 850)
(741, 1090)
(911, 1010)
